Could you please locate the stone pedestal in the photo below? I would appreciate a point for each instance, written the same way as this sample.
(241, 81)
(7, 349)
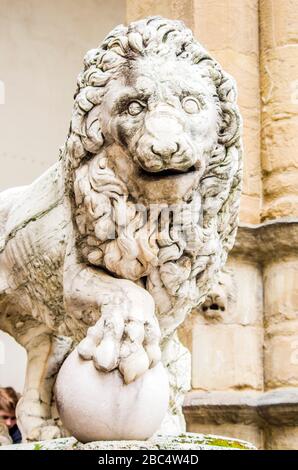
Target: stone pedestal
(187, 441)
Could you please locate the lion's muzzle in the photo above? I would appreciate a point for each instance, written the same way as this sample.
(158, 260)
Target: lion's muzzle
(163, 145)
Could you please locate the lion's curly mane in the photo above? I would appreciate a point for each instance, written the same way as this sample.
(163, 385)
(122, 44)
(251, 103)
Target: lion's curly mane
(176, 272)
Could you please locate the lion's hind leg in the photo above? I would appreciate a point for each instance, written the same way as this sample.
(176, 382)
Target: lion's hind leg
(46, 353)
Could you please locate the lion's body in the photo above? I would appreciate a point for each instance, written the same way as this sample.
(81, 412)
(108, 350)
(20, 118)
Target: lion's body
(31, 253)
(155, 130)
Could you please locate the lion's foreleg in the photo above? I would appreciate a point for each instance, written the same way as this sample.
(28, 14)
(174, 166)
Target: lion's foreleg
(46, 353)
(125, 333)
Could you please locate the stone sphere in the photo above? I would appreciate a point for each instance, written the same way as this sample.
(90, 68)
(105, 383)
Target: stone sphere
(96, 405)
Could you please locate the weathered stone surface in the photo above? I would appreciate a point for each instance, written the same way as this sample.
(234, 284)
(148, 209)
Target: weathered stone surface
(259, 417)
(176, 10)
(281, 438)
(279, 24)
(233, 39)
(249, 432)
(221, 356)
(281, 292)
(280, 315)
(279, 71)
(278, 407)
(281, 359)
(271, 240)
(5, 438)
(184, 441)
(235, 299)
(226, 357)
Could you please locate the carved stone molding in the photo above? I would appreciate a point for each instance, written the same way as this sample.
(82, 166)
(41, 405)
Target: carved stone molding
(278, 407)
(267, 241)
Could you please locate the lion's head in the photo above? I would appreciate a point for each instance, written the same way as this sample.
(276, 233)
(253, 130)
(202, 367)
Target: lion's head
(155, 125)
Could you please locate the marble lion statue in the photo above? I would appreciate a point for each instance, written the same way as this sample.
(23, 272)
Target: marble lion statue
(113, 246)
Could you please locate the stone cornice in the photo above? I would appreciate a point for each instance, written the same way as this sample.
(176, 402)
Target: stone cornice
(277, 407)
(267, 241)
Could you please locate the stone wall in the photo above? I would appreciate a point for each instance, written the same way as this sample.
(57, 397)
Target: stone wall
(244, 341)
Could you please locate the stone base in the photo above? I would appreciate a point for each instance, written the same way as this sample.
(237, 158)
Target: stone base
(186, 441)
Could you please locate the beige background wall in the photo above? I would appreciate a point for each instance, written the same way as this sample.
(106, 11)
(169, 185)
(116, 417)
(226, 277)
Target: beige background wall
(42, 45)
(13, 360)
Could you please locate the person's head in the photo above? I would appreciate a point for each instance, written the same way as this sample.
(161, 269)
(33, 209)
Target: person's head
(8, 402)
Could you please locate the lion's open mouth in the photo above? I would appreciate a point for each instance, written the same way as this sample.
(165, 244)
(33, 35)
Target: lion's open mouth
(166, 173)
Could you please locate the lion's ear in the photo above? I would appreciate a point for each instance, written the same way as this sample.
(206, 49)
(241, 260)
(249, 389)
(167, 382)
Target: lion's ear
(229, 132)
(230, 129)
(85, 134)
(229, 212)
(230, 136)
(93, 138)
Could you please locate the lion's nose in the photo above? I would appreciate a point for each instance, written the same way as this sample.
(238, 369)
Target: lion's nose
(166, 150)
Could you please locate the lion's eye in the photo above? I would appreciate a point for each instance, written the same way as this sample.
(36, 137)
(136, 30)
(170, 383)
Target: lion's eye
(135, 108)
(190, 105)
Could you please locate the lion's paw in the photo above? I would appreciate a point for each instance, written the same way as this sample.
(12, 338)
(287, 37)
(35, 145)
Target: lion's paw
(44, 433)
(126, 338)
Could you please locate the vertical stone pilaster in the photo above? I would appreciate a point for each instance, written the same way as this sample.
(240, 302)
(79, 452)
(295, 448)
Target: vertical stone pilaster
(282, 438)
(229, 30)
(279, 142)
(279, 93)
(281, 323)
(174, 9)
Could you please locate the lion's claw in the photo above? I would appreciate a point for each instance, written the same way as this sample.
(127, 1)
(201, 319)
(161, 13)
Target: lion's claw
(123, 338)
